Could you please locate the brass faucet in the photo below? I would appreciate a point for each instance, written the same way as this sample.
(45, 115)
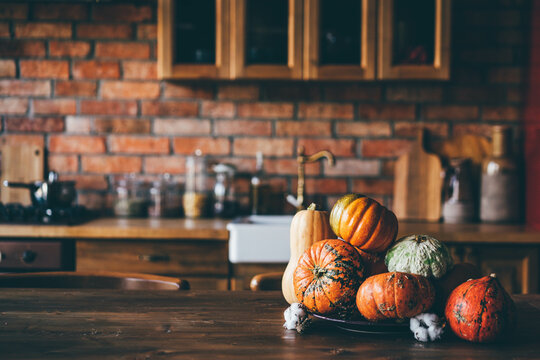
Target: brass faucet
(303, 159)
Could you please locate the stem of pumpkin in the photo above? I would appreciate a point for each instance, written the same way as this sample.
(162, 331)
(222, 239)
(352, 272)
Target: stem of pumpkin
(420, 238)
(312, 207)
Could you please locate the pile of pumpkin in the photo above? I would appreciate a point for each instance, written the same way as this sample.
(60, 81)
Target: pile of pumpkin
(365, 271)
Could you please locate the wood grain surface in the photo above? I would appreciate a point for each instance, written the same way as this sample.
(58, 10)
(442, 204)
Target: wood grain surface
(114, 228)
(215, 229)
(418, 184)
(55, 324)
(20, 163)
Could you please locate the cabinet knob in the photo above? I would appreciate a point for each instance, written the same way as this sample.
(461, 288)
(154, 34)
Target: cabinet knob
(28, 256)
(154, 258)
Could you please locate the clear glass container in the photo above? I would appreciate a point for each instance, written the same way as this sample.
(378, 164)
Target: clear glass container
(130, 196)
(224, 192)
(165, 198)
(195, 199)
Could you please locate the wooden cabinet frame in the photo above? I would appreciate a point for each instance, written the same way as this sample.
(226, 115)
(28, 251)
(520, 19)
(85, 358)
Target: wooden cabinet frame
(239, 69)
(441, 62)
(166, 66)
(363, 71)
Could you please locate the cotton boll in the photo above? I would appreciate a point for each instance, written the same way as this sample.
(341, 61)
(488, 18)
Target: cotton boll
(296, 318)
(427, 327)
(421, 334)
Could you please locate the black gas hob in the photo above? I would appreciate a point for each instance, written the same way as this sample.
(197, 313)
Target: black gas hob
(14, 213)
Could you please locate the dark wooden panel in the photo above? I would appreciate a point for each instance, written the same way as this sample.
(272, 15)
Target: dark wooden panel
(185, 258)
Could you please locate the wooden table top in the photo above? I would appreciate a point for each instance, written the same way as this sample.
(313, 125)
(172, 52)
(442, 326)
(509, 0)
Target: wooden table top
(91, 324)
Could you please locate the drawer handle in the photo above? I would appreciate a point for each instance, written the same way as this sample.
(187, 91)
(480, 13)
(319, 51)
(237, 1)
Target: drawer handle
(154, 258)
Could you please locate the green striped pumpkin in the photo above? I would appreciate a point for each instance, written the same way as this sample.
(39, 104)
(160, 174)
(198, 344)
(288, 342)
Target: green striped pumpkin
(420, 255)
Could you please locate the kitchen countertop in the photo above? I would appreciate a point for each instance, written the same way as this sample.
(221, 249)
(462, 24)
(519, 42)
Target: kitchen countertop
(114, 228)
(90, 324)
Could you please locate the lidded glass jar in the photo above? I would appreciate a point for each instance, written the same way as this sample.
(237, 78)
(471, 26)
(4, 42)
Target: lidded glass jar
(130, 196)
(195, 199)
(165, 197)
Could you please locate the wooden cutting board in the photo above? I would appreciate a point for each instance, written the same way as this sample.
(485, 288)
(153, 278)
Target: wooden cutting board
(418, 184)
(474, 147)
(20, 163)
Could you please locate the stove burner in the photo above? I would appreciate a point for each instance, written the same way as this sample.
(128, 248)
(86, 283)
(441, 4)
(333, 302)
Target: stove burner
(14, 213)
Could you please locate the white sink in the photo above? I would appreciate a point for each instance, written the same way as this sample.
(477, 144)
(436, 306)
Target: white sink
(260, 239)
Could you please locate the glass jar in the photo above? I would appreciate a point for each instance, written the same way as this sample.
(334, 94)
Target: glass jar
(130, 196)
(195, 199)
(165, 200)
(224, 192)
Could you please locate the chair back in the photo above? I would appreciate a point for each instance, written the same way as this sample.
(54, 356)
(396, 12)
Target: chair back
(92, 280)
(266, 281)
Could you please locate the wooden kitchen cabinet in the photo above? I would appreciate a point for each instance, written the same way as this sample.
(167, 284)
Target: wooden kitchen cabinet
(516, 266)
(304, 39)
(414, 39)
(193, 39)
(339, 39)
(266, 39)
(203, 263)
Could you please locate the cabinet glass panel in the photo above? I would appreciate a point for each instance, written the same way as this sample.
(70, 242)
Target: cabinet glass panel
(266, 31)
(414, 32)
(340, 31)
(195, 32)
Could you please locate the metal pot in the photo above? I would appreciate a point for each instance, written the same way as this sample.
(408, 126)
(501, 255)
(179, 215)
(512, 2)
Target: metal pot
(48, 194)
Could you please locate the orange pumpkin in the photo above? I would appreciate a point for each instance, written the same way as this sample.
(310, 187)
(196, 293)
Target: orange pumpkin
(364, 223)
(373, 262)
(394, 295)
(327, 277)
(480, 310)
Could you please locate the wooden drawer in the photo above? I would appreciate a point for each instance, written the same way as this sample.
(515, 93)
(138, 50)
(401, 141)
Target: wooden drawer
(516, 266)
(199, 258)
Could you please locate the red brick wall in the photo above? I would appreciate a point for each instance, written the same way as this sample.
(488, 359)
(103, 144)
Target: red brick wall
(80, 79)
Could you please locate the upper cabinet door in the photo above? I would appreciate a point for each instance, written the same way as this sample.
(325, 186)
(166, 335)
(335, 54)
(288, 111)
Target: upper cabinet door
(414, 39)
(193, 39)
(339, 39)
(266, 39)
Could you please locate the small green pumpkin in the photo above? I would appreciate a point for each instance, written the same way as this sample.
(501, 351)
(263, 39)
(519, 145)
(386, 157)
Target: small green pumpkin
(421, 255)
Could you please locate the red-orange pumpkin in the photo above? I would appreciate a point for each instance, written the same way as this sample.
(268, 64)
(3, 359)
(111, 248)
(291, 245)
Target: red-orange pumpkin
(364, 223)
(480, 310)
(444, 286)
(327, 277)
(394, 295)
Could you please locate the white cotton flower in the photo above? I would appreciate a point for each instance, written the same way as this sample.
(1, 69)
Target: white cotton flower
(427, 327)
(296, 318)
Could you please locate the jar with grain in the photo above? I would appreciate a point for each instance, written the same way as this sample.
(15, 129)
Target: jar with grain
(130, 196)
(195, 199)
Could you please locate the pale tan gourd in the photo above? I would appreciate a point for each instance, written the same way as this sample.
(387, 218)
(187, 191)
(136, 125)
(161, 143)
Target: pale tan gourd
(307, 227)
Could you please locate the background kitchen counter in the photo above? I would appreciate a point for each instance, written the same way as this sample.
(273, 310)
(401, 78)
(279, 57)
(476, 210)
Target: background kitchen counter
(113, 228)
(216, 229)
(198, 249)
